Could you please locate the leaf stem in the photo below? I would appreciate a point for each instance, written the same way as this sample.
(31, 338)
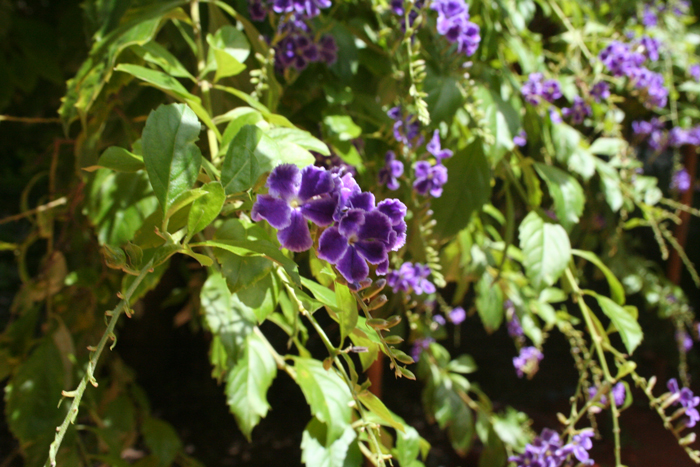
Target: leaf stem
(77, 394)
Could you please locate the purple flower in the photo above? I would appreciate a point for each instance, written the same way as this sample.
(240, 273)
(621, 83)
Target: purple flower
(578, 111)
(361, 236)
(436, 150)
(544, 451)
(681, 180)
(439, 319)
(552, 90)
(453, 23)
(419, 345)
(520, 139)
(618, 58)
(406, 129)
(695, 72)
(684, 340)
(411, 278)
(527, 362)
(429, 178)
(687, 399)
(299, 46)
(534, 90)
(514, 328)
(554, 115)
(651, 47)
(649, 18)
(296, 196)
(257, 10)
(619, 394)
(458, 315)
(391, 171)
(600, 91)
(580, 445)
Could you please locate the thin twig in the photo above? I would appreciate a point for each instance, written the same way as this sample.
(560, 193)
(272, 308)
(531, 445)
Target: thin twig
(10, 118)
(44, 207)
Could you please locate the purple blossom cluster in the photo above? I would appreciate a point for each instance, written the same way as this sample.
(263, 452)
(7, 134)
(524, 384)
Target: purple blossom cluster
(687, 399)
(628, 59)
(457, 315)
(578, 111)
(358, 231)
(420, 345)
(407, 128)
(453, 23)
(527, 362)
(391, 171)
(547, 450)
(683, 338)
(431, 178)
(694, 72)
(298, 45)
(520, 139)
(654, 134)
(409, 278)
(650, 15)
(600, 91)
(680, 181)
(398, 7)
(618, 392)
(537, 89)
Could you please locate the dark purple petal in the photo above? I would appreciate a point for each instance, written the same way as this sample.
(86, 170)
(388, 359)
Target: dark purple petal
(376, 226)
(284, 181)
(314, 181)
(421, 169)
(274, 210)
(394, 209)
(422, 185)
(351, 222)
(332, 245)
(364, 201)
(296, 237)
(374, 252)
(319, 210)
(352, 266)
(382, 268)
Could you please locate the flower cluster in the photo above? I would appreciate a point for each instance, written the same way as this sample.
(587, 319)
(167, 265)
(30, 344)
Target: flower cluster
(681, 181)
(407, 129)
(600, 91)
(456, 317)
(419, 345)
(391, 171)
(650, 15)
(578, 111)
(619, 393)
(358, 231)
(527, 362)
(658, 139)
(536, 89)
(298, 45)
(410, 278)
(397, 6)
(520, 139)
(453, 23)
(627, 60)
(687, 399)
(546, 450)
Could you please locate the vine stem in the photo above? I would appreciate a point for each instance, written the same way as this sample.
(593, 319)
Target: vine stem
(601, 356)
(203, 84)
(77, 394)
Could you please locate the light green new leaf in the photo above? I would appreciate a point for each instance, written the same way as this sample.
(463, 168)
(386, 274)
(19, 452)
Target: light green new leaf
(469, 181)
(347, 310)
(224, 316)
(183, 200)
(230, 49)
(118, 159)
(610, 184)
(171, 157)
(249, 155)
(489, 303)
(155, 53)
(377, 407)
(565, 191)
(326, 393)
(248, 382)
(318, 449)
(301, 138)
(341, 127)
(616, 290)
(206, 208)
(572, 150)
(608, 146)
(625, 323)
(546, 250)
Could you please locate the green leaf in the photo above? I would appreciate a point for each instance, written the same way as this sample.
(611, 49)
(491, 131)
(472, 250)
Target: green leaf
(248, 382)
(183, 200)
(489, 303)
(250, 155)
(118, 204)
(172, 87)
(347, 310)
(320, 450)
(616, 290)
(230, 49)
(565, 191)
(463, 364)
(261, 297)
(171, 157)
(162, 440)
(224, 316)
(608, 146)
(205, 208)
(240, 117)
(546, 250)
(625, 323)
(501, 118)
(467, 164)
(409, 445)
(444, 96)
(242, 271)
(324, 294)
(377, 407)
(31, 397)
(326, 393)
(341, 127)
(571, 149)
(301, 138)
(155, 53)
(119, 159)
(610, 184)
